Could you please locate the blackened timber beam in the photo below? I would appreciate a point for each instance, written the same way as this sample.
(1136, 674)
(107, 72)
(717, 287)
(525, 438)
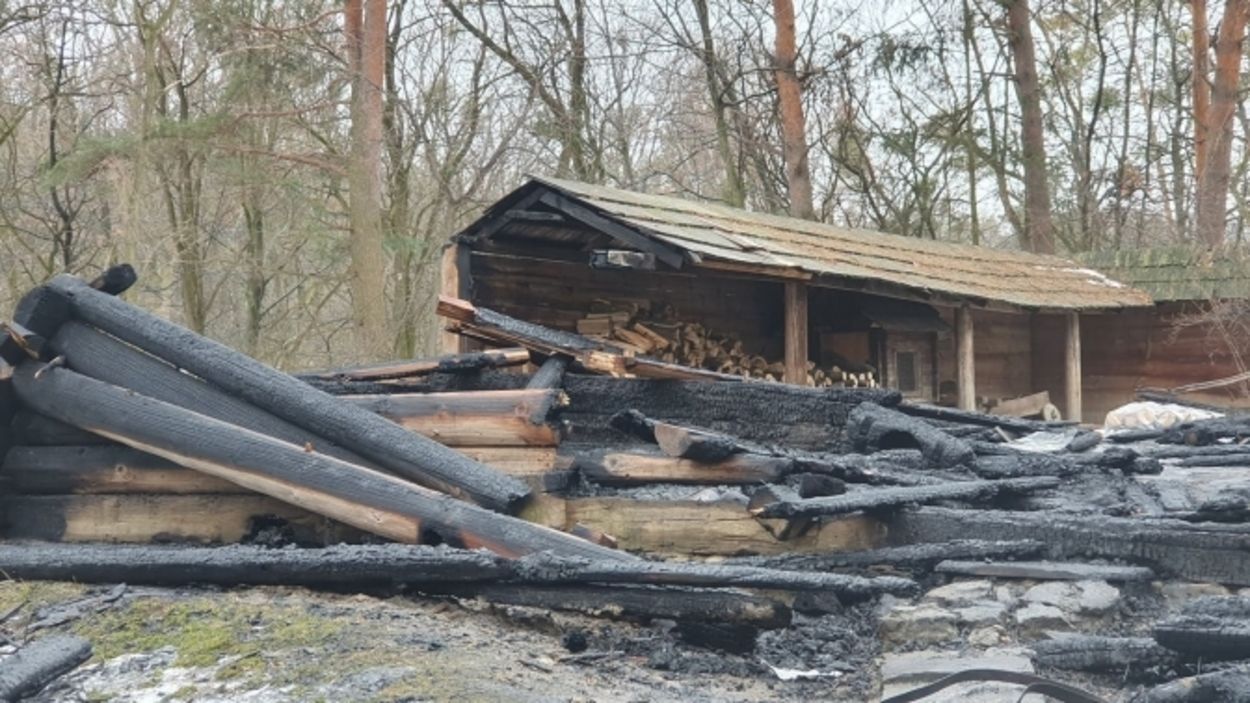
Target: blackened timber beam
(105, 469)
(353, 428)
(31, 428)
(894, 498)
(612, 468)
(474, 418)
(93, 353)
(626, 235)
(795, 316)
(364, 498)
(551, 373)
(449, 363)
(39, 663)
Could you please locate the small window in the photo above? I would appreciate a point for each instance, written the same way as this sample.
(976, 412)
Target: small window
(905, 369)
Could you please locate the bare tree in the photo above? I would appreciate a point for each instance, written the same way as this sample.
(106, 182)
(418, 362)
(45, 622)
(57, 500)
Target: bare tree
(1039, 235)
(790, 111)
(1211, 216)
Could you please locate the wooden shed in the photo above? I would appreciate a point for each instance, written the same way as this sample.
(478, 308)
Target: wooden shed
(1192, 336)
(940, 321)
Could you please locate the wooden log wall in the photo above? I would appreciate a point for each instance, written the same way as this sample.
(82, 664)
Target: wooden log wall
(1127, 350)
(559, 293)
(1004, 354)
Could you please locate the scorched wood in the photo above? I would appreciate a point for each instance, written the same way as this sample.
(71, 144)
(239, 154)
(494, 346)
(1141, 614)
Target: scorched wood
(476, 418)
(871, 428)
(1224, 686)
(1046, 570)
(1116, 655)
(916, 557)
(627, 469)
(893, 498)
(451, 363)
(39, 663)
(550, 374)
(353, 428)
(102, 469)
(356, 495)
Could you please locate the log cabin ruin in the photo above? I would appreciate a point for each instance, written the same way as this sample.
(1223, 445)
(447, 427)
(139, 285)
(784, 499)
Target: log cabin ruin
(837, 536)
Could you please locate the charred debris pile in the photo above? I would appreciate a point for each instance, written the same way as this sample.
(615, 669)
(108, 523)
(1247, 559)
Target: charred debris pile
(574, 487)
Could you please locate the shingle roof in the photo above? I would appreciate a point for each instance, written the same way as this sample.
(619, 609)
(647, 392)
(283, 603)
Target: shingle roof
(1178, 273)
(722, 233)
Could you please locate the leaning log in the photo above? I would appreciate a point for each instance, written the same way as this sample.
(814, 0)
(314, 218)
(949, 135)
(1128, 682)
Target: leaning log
(353, 428)
(364, 498)
(872, 428)
(1206, 552)
(102, 469)
(612, 468)
(876, 499)
(39, 663)
(90, 352)
(451, 363)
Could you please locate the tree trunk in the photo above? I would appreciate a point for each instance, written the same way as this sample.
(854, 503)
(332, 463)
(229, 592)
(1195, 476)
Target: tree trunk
(734, 190)
(790, 109)
(1201, 82)
(1210, 218)
(1038, 232)
(366, 48)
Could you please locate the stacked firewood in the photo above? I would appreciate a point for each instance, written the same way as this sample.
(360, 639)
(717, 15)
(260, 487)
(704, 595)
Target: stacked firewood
(693, 344)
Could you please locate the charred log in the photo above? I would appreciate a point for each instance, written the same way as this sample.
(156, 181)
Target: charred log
(877, 499)
(871, 428)
(39, 663)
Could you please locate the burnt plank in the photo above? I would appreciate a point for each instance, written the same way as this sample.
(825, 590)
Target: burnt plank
(474, 418)
(353, 428)
(612, 468)
(359, 496)
(1046, 570)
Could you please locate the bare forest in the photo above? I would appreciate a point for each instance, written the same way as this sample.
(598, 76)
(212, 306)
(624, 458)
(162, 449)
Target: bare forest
(284, 174)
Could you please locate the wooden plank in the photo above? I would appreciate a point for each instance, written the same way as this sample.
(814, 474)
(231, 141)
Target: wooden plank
(719, 528)
(353, 428)
(965, 353)
(103, 469)
(629, 469)
(795, 315)
(1023, 406)
(473, 418)
(450, 363)
(160, 518)
(364, 498)
(1046, 570)
(1072, 368)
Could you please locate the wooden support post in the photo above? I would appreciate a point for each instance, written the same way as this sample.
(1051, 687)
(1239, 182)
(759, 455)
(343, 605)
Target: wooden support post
(965, 355)
(451, 343)
(796, 332)
(1072, 368)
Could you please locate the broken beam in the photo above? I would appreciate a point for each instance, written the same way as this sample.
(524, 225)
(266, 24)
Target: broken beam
(883, 498)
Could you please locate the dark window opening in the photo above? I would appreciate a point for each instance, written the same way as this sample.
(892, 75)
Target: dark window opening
(905, 369)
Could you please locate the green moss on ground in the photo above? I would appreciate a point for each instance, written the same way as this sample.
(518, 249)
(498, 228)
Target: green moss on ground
(36, 594)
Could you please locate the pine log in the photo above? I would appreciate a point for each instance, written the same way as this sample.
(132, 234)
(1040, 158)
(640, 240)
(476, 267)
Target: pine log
(1227, 686)
(90, 352)
(1093, 653)
(476, 418)
(353, 428)
(613, 468)
(914, 557)
(39, 663)
(542, 568)
(550, 374)
(678, 603)
(451, 363)
(871, 428)
(875, 499)
(356, 566)
(1206, 552)
(364, 498)
(1046, 570)
(107, 469)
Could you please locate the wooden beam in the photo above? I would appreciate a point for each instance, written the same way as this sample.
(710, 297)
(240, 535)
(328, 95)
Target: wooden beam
(450, 363)
(796, 332)
(965, 354)
(629, 469)
(286, 397)
(625, 235)
(1072, 368)
(364, 498)
(106, 469)
(473, 418)
(136, 518)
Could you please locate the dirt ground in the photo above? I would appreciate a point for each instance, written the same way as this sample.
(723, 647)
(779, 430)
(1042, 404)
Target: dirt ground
(271, 645)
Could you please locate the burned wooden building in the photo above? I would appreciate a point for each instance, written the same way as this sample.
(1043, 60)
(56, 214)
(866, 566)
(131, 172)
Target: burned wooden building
(799, 301)
(1189, 341)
